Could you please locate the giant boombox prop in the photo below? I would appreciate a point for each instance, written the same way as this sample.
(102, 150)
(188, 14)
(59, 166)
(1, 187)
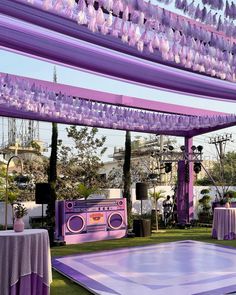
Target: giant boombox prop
(79, 221)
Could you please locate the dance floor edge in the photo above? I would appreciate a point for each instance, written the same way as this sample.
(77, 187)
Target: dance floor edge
(181, 268)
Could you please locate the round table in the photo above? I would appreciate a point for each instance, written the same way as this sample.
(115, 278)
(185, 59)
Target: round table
(25, 262)
(224, 224)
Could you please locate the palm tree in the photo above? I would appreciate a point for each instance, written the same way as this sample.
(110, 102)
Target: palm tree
(155, 197)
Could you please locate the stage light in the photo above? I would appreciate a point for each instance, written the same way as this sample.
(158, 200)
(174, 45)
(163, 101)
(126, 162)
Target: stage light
(197, 167)
(170, 147)
(200, 148)
(193, 148)
(182, 148)
(152, 176)
(168, 167)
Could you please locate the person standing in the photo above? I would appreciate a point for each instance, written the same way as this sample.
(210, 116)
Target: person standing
(167, 205)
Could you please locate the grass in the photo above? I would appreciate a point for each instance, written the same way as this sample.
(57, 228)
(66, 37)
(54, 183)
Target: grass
(62, 285)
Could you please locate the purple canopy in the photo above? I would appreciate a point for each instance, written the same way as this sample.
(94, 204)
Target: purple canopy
(61, 40)
(40, 100)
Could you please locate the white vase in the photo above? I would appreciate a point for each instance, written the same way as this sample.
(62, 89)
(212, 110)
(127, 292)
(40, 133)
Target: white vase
(227, 205)
(19, 225)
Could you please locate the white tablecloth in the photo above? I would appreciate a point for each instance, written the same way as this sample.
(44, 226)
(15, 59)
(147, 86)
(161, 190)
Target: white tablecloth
(224, 224)
(23, 254)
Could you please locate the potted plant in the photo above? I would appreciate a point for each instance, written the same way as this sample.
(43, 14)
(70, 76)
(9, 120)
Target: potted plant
(205, 215)
(155, 197)
(19, 212)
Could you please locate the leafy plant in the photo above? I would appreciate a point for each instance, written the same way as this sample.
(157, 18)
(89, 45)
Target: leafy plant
(230, 194)
(205, 215)
(80, 162)
(205, 191)
(84, 191)
(229, 197)
(155, 197)
(20, 211)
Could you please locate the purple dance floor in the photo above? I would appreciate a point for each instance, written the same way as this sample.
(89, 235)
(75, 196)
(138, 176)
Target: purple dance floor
(180, 268)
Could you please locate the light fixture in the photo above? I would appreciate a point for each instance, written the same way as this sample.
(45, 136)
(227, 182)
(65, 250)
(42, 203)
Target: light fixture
(197, 167)
(168, 167)
(193, 148)
(170, 147)
(152, 176)
(182, 148)
(200, 148)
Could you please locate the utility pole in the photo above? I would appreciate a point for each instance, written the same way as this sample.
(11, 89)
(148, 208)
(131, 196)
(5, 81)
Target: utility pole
(220, 142)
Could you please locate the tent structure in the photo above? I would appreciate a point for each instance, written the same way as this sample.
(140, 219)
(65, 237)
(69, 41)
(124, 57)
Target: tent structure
(48, 30)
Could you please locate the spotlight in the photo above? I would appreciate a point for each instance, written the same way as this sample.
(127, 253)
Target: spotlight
(200, 148)
(170, 147)
(168, 167)
(193, 148)
(152, 176)
(197, 167)
(182, 148)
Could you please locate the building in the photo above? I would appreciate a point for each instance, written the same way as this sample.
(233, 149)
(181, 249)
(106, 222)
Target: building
(146, 164)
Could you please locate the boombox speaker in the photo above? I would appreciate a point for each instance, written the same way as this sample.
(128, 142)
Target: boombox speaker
(141, 191)
(42, 193)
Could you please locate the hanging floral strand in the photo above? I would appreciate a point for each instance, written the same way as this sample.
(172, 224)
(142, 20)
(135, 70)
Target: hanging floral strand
(153, 29)
(23, 97)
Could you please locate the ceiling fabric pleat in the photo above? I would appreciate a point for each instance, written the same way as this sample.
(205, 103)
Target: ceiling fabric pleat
(63, 41)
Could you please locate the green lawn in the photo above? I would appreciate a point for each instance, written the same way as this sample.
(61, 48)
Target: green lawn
(61, 285)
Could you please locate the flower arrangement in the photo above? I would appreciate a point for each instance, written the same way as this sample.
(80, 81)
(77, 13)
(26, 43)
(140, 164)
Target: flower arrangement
(20, 211)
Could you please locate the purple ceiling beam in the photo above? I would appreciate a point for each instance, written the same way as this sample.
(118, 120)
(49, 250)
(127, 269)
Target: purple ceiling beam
(201, 131)
(41, 43)
(116, 99)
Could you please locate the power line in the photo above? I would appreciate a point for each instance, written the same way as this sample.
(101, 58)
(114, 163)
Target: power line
(220, 142)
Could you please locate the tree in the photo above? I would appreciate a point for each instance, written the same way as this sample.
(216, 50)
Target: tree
(145, 161)
(52, 176)
(52, 172)
(155, 197)
(229, 167)
(80, 163)
(127, 175)
(138, 173)
(204, 214)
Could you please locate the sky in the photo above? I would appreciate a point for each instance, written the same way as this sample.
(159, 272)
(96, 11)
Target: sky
(13, 63)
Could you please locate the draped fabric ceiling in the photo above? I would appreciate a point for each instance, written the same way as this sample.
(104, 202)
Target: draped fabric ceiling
(59, 39)
(28, 29)
(47, 101)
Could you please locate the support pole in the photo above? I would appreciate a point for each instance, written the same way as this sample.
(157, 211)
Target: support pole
(6, 192)
(185, 186)
(189, 180)
(42, 216)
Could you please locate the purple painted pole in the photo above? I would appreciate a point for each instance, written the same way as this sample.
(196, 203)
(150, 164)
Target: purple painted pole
(189, 183)
(181, 203)
(185, 187)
